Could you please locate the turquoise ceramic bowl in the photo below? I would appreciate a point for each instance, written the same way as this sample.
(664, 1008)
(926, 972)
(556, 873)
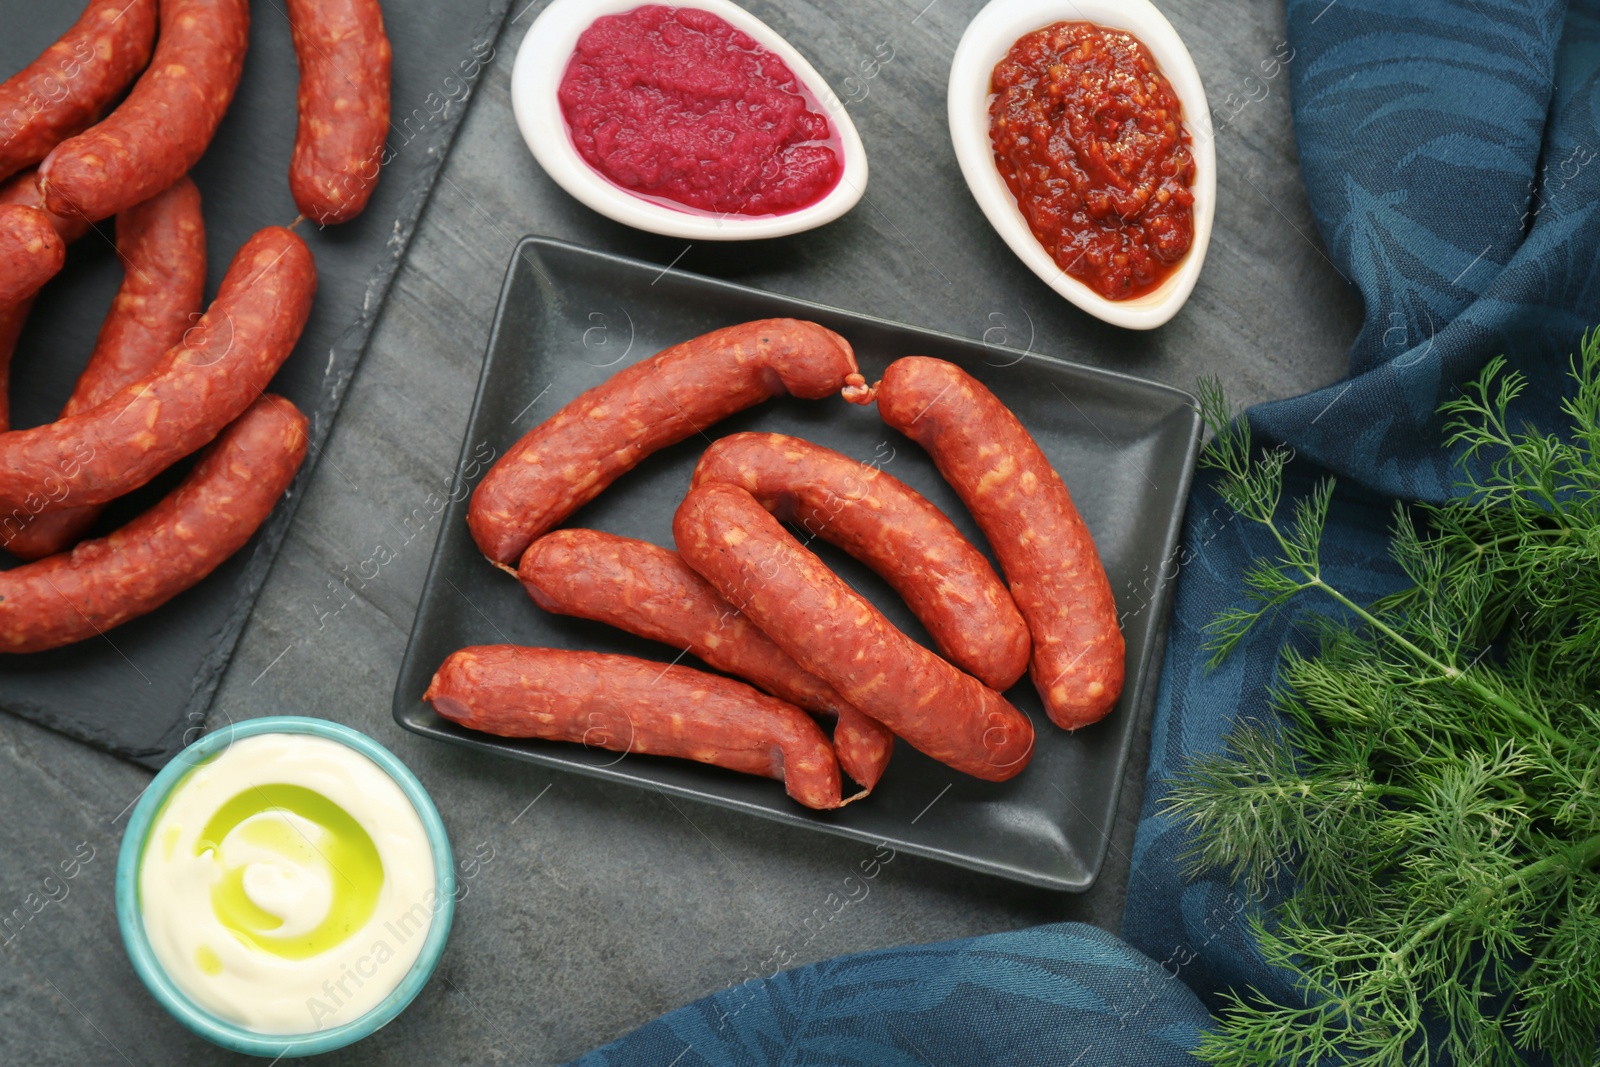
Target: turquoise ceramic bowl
(230, 1035)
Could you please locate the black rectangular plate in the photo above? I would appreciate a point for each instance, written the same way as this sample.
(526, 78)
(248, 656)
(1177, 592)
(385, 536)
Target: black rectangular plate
(143, 690)
(570, 317)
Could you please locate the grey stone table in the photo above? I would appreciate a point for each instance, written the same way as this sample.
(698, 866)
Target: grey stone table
(597, 907)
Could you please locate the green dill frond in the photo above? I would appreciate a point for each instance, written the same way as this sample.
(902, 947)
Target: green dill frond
(1235, 803)
(1249, 484)
(1559, 1005)
(1429, 795)
(1583, 407)
(1302, 542)
(1269, 587)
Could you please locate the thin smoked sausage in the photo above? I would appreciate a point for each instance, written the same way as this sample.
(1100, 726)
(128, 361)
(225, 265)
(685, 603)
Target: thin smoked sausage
(31, 252)
(1024, 509)
(833, 632)
(73, 81)
(344, 106)
(162, 129)
(623, 704)
(568, 460)
(162, 243)
(893, 529)
(200, 385)
(23, 189)
(188, 534)
(648, 591)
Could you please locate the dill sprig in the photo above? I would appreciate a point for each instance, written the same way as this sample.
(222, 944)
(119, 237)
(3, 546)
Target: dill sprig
(1427, 799)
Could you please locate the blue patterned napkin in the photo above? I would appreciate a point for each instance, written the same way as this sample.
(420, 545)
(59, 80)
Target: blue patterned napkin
(1451, 150)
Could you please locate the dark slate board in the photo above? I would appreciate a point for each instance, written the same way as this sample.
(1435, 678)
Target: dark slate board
(145, 688)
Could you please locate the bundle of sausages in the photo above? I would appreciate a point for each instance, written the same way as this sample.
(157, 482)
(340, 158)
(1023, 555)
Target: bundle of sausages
(163, 380)
(94, 167)
(748, 598)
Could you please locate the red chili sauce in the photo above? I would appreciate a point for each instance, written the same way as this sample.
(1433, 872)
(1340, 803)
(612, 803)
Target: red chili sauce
(1089, 137)
(675, 105)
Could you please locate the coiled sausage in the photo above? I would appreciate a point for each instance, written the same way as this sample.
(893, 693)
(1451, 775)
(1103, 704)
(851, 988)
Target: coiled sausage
(23, 189)
(73, 81)
(31, 252)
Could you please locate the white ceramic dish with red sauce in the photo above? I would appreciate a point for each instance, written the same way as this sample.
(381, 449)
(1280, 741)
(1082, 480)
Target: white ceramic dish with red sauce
(536, 77)
(988, 38)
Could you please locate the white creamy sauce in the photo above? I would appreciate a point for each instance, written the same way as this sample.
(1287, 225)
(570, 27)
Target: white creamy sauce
(314, 903)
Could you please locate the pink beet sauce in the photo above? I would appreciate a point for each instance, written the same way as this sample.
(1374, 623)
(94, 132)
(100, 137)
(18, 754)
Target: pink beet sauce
(677, 107)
